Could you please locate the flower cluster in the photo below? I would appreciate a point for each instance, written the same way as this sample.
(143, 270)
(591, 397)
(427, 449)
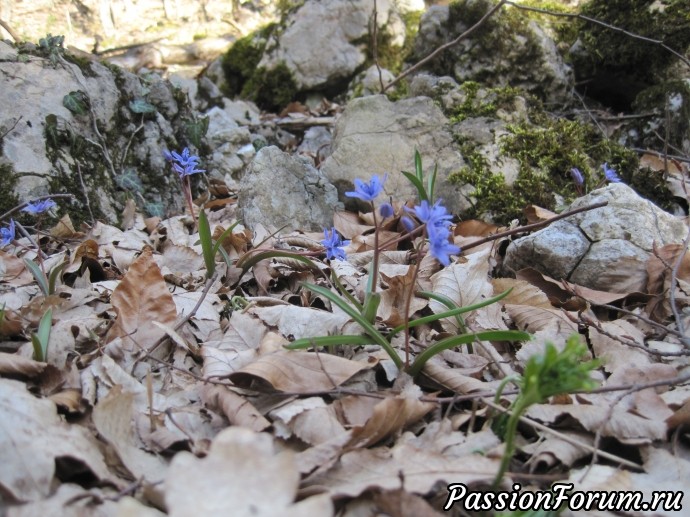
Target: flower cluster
(368, 191)
(334, 245)
(7, 234)
(39, 206)
(611, 174)
(184, 164)
(437, 221)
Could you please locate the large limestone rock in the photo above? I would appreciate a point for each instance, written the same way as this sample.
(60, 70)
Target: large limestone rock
(325, 41)
(280, 189)
(377, 136)
(113, 135)
(606, 248)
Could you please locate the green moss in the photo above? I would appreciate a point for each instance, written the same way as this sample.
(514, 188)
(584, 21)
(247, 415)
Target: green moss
(271, 89)
(485, 106)
(546, 150)
(241, 60)
(616, 54)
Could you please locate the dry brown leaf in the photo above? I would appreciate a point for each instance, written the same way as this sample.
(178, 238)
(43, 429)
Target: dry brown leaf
(475, 228)
(551, 450)
(622, 425)
(533, 319)
(310, 420)
(113, 417)
(181, 259)
(298, 371)
(140, 298)
(537, 214)
(13, 365)
(32, 437)
(233, 478)
(399, 503)
(390, 416)
(237, 409)
(70, 500)
(394, 299)
(523, 293)
(348, 225)
(383, 468)
(64, 229)
(453, 380)
(301, 322)
(613, 353)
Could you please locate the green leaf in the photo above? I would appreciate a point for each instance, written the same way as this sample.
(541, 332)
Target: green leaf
(196, 130)
(464, 339)
(206, 244)
(129, 180)
(222, 237)
(141, 106)
(329, 341)
(365, 324)
(417, 184)
(247, 260)
(418, 169)
(53, 276)
(39, 276)
(42, 337)
(431, 184)
(76, 102)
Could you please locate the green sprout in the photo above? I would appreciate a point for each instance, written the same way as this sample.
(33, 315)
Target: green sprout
(545, 375)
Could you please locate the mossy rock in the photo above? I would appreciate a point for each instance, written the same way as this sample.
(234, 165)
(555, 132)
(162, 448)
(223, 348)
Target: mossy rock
(546, 149)
(616, 66)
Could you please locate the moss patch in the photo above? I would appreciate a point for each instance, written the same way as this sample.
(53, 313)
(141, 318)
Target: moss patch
(485, 105)
(8, 182)
(546, 150)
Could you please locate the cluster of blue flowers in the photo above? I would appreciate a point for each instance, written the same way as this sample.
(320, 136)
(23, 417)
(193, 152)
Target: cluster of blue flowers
(9, 234)
(184, 164)
(609, 174)
(435, 217)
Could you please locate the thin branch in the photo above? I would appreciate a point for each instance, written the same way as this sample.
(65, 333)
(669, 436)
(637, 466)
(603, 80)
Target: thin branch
(445, 46)
(10, 31)
(672, 292)
(86, 195)
(7, 132)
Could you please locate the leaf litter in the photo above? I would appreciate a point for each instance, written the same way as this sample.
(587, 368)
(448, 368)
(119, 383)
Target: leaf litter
(165, 392)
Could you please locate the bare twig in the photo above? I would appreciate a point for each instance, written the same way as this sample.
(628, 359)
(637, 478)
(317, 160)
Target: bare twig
(445, 46)
(7, 132)
(10, 31)
(86, 195)
(375, 46)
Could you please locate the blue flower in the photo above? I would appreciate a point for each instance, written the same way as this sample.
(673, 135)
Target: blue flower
(39, 206)
(368, 191)
(611, 174)
(577, 176)
(432, 215)
(184, 164)
(408, 223)
(7, 234)
(386, 210)
(439, 247)
(334, 244)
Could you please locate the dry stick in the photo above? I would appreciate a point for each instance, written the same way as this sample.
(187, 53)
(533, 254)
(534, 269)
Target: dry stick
(445, 46)
(10, 31)
(647, 320)
(602, 24)
(86, 196)
(566, 438)
(375, 46)
(535, 226)
(7, 132)
(672, 294)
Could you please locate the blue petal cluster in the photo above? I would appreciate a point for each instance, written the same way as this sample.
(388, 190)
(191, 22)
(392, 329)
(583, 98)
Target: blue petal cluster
(334, 244)
(184, 164)
(437, 220)
(368, 191)
(7, 234)
(577, 176)
(611, 174)
(39, 206)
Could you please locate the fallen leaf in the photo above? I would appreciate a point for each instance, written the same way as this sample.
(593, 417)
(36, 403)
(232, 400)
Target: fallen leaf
(233, 478)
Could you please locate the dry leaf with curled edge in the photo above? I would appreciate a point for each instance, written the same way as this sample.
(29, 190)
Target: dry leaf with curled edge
(297, 371)
(241, 476)
(140, 298)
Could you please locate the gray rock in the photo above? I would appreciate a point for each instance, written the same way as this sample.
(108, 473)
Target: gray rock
(500, 56)
(588, 248)
(280, 189)
(50, 143)
(325, 41)
(377, 136)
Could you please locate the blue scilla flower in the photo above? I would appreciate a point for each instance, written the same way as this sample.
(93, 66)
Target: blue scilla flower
(185, 163)
(439, 247)
(577, 176)
(334, 244)
(386, 210)
(611, 174)
(39, 206)
(432, 215)
(368, 191)
(7, 234)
